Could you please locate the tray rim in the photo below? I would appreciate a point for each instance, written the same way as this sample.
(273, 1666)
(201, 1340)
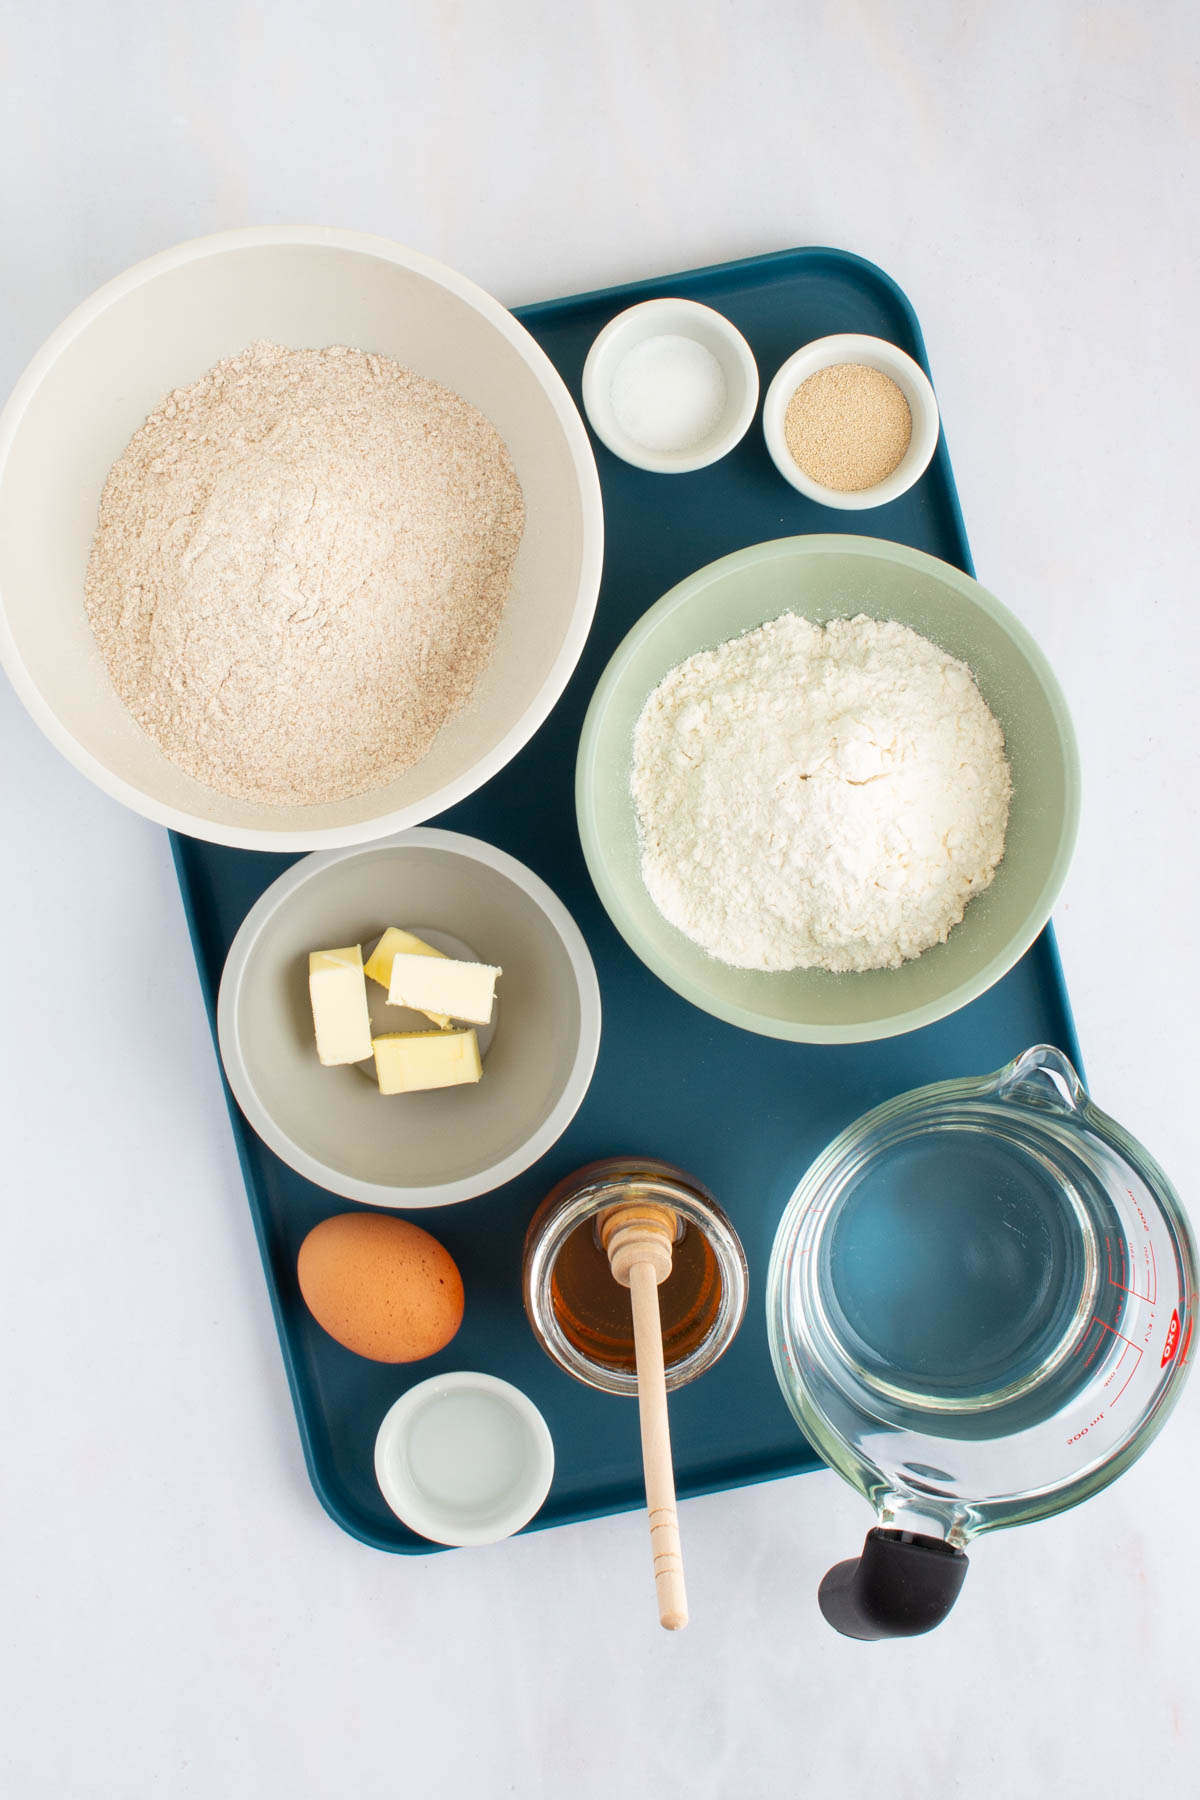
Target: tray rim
(602, 1505)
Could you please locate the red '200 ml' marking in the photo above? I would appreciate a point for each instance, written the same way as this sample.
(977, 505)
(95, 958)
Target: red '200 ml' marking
(1172, 1343)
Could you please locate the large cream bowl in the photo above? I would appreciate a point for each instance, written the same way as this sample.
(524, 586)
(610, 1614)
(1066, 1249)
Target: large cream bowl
(160, 326)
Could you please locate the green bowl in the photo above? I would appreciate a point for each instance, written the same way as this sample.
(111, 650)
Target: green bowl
(822, 578)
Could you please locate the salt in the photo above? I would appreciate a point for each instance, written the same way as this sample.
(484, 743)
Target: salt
(668, 393)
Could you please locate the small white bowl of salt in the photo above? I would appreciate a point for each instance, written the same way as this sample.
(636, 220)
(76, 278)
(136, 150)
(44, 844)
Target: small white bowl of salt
(670, 386)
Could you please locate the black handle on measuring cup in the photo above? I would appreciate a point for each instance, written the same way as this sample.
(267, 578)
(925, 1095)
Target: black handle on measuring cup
(901, 1585)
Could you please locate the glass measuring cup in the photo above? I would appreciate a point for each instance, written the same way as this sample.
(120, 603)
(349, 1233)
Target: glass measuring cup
(980, 1306)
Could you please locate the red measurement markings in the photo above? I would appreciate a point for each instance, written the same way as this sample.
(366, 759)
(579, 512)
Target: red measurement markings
(806, 1249)
(1093, 1342)
(1124, 1273)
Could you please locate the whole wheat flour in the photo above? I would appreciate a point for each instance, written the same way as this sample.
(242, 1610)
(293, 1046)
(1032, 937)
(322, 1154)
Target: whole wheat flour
(299, 570)
(819, 796)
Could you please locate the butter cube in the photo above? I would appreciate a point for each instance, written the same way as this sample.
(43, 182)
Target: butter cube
(408, 1062)
(338, 992)
(464, 990)
(393, 941)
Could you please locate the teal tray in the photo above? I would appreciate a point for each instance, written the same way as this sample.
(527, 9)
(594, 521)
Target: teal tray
(744, 1114)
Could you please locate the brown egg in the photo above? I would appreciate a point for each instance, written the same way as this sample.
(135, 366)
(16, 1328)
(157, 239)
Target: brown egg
(380, 1286)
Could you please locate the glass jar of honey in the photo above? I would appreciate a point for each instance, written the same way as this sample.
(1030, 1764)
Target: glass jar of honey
(580, 1313)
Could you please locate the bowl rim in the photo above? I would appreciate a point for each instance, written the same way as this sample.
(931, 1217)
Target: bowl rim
(609, 891)
(404, 1496)
(336, 1181)
(249, 837)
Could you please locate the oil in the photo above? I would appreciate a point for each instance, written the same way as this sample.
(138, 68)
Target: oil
(594, 1310)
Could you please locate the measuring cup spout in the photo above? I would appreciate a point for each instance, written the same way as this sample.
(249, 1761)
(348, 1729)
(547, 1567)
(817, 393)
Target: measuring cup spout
(1044, 1076)
(903, 1584)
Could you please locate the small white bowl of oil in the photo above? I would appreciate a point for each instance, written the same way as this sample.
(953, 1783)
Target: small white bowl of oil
(464, 1458)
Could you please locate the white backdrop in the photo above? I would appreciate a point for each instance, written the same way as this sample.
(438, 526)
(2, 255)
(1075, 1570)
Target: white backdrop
(180, 1618)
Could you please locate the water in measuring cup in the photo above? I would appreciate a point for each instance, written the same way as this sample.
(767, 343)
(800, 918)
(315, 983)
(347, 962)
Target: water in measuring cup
(960, 1273)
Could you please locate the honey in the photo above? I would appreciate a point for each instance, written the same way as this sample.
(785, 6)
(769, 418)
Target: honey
(582, 1315)
(594, 1310)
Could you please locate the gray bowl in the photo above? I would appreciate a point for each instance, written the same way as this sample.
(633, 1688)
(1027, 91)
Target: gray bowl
(411, 1150)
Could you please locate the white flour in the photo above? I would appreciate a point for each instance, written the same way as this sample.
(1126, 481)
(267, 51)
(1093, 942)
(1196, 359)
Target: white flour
(819, 796)
(299, 570)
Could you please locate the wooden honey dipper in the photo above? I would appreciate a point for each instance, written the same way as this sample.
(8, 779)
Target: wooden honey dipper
(638, 1237)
